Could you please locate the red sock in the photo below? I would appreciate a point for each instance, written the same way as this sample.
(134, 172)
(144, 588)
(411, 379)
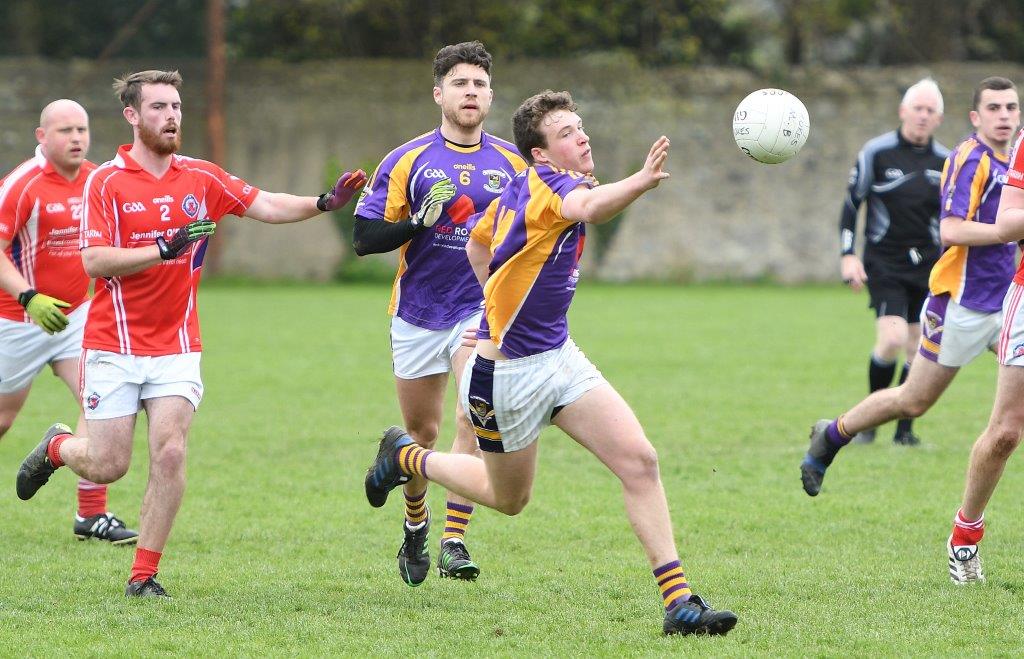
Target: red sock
(92, 498)
(967, 532)
(145, 565)
(53, 450)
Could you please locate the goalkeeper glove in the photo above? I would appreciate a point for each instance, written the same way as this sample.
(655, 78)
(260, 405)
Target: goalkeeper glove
(439, 194)
(183, 237)
(45, 310)
(342, 192)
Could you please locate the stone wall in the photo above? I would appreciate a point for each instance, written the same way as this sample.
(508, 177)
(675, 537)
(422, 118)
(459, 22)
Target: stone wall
(720, 216)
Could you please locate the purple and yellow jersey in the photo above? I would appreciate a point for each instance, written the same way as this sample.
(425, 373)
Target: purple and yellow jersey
(435, 287)
(534, 268)
(972, 182)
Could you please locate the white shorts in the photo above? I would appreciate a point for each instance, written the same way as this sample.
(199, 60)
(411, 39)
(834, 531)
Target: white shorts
(115, 385)
(25, 348)
(1011, 340)
(953, 335)
(509, 401)
(418, 352)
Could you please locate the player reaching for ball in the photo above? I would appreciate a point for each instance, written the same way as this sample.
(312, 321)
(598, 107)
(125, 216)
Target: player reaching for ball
(526, 372)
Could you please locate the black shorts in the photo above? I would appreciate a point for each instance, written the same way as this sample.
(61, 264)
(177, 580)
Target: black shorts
(899, 286)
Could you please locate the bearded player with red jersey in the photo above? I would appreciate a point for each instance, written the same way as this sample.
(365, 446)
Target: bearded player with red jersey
(148, 214)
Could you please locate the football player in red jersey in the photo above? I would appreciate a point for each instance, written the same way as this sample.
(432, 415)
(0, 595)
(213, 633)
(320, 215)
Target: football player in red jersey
(1003, 434)
(45, 296)
(148, 214)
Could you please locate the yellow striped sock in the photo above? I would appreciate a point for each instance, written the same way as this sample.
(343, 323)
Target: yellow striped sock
(456, 521)
(672, 584)
(412, 460)
(416, 508)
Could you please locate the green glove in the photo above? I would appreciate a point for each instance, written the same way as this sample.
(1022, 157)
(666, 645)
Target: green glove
(183, 237)
(439, 194)
(45, 310)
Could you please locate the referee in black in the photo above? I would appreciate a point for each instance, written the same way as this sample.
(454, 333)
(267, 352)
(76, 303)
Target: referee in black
(898, 174)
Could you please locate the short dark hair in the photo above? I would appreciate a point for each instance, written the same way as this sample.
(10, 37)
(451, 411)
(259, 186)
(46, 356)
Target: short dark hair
(526, 121)
(129, 87)
(995, 83)
(467, 52)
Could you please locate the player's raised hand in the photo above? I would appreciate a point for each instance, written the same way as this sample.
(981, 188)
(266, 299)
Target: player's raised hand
(183, 237)
(655, 164)
(45, 310)
(853, 272)
(344, 189)
(439, 194)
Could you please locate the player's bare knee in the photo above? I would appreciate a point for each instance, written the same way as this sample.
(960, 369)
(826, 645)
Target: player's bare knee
(425, 434)
(110, 469)
(170, 456)
(512, 506)
(5, 425)
(1002, 440)
(640, 466)
(912, 406)
(889, 347)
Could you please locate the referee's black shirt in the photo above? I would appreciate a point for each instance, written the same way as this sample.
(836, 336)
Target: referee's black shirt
(900, 181)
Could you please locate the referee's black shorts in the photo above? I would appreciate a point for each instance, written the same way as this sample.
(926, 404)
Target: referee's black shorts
(898, 281)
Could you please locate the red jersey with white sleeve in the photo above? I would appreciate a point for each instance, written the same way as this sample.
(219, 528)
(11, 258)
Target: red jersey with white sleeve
(1015, 177)
(153, 312)
(39, 215)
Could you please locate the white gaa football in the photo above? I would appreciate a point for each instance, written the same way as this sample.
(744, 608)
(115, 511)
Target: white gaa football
(770, 125)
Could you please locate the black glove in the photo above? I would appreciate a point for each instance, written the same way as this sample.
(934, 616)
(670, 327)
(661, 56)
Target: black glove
(183, 237)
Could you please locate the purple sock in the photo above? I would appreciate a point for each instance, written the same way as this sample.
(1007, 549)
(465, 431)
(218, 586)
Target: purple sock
(835, 436)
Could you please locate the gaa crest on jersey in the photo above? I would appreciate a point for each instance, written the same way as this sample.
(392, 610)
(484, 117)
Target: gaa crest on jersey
(893, 173)
(93, 401)
(190, 205)
(496, 180)
(1018, 351)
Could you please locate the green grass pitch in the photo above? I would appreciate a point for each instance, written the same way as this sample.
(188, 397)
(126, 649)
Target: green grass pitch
(276, 552)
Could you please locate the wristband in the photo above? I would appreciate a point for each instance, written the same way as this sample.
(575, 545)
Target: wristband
(321, 202)
(26, 296)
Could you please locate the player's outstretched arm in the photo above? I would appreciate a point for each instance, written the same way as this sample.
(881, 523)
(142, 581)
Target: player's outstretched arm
(282, 208)
(1010, 216)
(600, 204)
